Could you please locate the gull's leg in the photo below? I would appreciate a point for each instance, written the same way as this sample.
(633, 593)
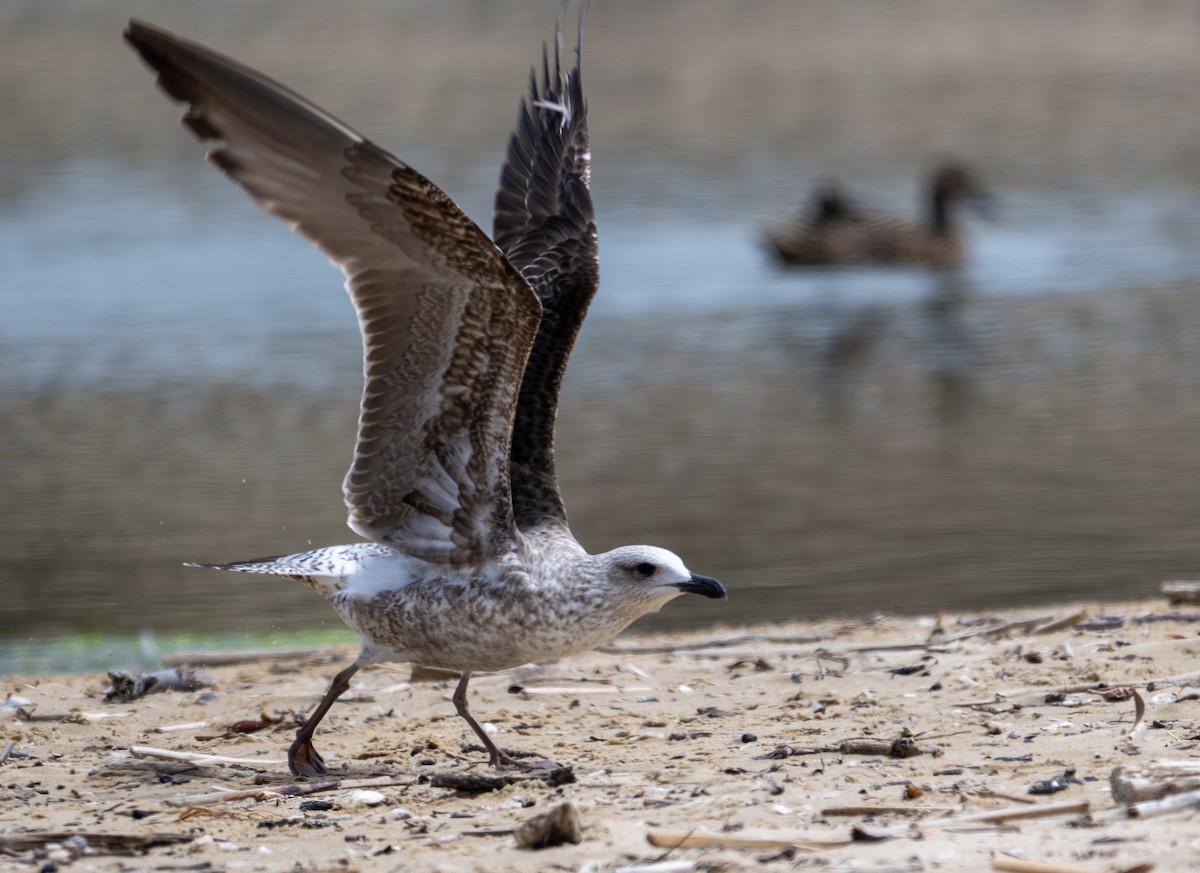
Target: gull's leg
(302, 757)
(497, 757)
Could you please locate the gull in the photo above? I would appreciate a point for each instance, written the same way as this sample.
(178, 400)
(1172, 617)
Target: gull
(469, 563)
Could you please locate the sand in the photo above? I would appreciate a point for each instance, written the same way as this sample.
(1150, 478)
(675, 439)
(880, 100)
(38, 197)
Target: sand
(759, 748)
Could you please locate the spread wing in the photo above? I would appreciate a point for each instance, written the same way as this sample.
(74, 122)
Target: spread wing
(447, 322)
(545, 225)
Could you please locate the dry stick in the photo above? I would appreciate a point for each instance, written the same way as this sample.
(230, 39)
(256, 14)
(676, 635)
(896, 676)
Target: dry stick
(883, 810)
(1037, 624)
(1011, 813)
(290, 790)
(665, 840)
(998, 628)
(1012, 798)
(198, 757)
(110, 842)
(1042, 691)
(581, 690)
(1013, 865)
(718, 643)
(1070, 621)
(8, 747)
(923, 645)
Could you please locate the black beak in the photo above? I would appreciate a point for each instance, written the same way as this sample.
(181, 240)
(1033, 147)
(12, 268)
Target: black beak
(704, 585)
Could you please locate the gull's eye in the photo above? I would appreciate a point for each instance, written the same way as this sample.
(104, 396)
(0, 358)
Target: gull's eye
(645, 569)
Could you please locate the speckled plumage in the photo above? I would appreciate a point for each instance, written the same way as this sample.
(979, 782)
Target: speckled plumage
(470, 564)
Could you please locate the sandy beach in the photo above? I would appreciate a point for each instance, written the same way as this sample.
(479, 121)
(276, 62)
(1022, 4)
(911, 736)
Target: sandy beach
(968, 742)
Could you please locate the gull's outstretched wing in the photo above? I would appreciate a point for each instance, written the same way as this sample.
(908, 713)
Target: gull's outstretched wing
(545, 225)
(447, 322)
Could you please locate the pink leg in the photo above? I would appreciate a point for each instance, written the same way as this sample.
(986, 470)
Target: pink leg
(497, 757)
(303, 759)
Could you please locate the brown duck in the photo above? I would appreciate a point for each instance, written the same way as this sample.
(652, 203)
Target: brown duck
(834, 231)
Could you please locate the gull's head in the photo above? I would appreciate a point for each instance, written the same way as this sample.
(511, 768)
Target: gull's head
(646, 577)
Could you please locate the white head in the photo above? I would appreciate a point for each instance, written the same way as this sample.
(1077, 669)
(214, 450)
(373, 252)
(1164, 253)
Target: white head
(642, 578)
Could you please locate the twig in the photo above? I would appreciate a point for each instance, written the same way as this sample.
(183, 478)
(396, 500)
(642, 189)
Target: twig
(604, 689)
(1017, 812)
(187, 726)
(1014, 865)
(110, 842)
(1083, 688)
(198, 757)
(289, 790)
(883, 810)
(902, 747)
(1011, 798)
(717, 643)
(8, 747)
(691, 840)
(1069, 621)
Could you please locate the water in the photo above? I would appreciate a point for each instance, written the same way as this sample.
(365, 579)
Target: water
(178, 374)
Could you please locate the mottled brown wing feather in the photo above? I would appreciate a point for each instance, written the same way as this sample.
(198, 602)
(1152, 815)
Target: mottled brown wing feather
(545, 224)
(447, 322)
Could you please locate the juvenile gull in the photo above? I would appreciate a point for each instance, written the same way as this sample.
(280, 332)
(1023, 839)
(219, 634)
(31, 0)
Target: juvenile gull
(470, 563)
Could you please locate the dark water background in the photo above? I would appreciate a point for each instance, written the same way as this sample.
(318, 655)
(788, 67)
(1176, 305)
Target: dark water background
(179, 375)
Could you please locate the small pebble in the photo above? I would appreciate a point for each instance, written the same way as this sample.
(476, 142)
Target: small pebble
(749, 738)
(316, 806)
(363, 797)
(559, 825)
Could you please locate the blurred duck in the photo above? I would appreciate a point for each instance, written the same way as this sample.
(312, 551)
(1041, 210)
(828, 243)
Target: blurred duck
(833, 230)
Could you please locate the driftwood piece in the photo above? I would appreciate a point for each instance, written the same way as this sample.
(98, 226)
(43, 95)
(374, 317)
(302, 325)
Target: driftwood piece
(1015, 865)
(901, 747)
(475, 783)
(1170, 803)
(131, 686)
(125, 843)
(292, 789)
(1154, 780)
(1181, 591)
(881, 809)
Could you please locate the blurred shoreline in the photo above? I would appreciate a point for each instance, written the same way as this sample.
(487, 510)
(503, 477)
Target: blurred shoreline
(737, 97)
